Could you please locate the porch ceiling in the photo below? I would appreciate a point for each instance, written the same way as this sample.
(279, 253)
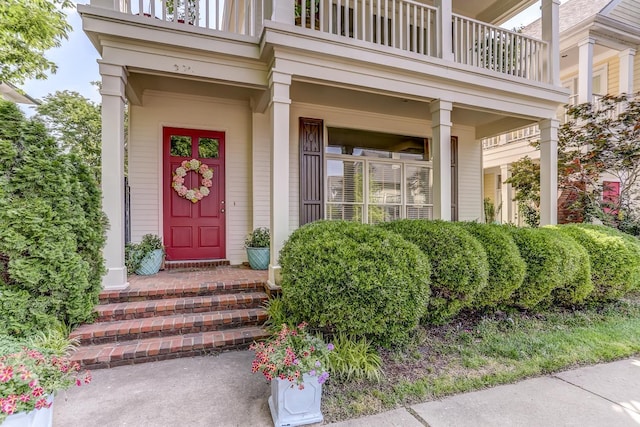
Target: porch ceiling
(492, 11)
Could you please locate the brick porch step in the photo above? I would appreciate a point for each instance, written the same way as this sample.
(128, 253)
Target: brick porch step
(149, 327)
(162, 348)
(201, 263)
(171, 306)
(181, 290)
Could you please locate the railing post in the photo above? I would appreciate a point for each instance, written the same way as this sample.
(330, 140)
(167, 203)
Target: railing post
(445, 29)
(551, 35)
(117, 5)
(283, 11)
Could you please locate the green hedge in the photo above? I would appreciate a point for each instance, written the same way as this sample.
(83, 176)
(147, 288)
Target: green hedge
(575, 271)
(459, 265)
(51, 230)
(355, 279)
(615, 259)
(542, 252)
(506, 267)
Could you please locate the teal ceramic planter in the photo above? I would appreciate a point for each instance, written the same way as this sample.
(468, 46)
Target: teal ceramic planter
(151, 263)
(258, 258)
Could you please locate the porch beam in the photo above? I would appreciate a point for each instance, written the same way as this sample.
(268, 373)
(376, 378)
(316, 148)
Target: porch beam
(551, 34)
(549, 171)
(441, 128)
(626, 71)
(585, 73)
(114, 80)
(279, 85)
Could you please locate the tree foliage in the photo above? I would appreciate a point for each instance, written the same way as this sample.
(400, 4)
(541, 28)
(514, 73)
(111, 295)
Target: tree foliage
(525, 179)
(51, 229)
(28, 28)
(76, 123)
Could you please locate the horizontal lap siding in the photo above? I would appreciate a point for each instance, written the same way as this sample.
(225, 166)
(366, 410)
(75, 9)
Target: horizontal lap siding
(145, 153)
(469, 176)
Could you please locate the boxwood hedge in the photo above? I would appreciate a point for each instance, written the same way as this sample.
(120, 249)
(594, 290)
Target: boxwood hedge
(355, 279)
(615, 259)
(459, 265)
(506, 266)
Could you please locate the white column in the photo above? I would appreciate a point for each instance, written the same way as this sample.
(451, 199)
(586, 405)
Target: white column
(283, 11)
(445, 24)
(626, 71)
(114, 79)
(549, 171)
(279, 110)
(551, 34)
(506, 214)
(441, 127)
(585, 70)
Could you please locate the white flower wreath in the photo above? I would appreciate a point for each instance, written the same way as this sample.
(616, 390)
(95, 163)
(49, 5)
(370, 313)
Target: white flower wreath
(193, 194)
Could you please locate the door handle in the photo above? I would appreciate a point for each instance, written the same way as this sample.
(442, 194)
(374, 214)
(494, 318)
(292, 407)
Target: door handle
(221, 210)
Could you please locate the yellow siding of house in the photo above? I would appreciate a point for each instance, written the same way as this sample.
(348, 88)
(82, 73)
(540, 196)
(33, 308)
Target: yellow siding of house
(613, 76)
(490, 187)
(636, 73)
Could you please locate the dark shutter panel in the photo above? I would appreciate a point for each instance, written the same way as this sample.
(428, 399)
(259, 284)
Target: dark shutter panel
(311, 170)
(454, 178)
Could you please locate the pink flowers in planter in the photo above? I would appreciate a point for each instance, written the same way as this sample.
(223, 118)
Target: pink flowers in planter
(28, 377)
(194, 194)
(291, 354)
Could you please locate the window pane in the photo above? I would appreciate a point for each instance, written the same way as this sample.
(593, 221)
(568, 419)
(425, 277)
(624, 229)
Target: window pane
(347, 212)
(418, 187)
(208, 148)
(384, 183)
(382, 213)
(345, 181)
(180, 146)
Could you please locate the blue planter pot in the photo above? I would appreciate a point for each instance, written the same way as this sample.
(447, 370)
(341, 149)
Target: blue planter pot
(151, 263)
(258, 258)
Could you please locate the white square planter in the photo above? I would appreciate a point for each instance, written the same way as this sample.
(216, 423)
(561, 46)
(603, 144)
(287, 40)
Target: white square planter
(291, 406)
(36, 418)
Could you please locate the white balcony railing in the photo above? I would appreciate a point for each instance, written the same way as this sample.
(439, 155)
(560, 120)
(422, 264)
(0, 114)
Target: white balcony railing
(481, 45)
(233, 16)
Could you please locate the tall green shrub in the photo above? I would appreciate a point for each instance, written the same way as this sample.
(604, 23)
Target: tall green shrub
(506, 267)
(615, 259)
(355, 279)
(459, 265)
(542, 253)
(51, 229)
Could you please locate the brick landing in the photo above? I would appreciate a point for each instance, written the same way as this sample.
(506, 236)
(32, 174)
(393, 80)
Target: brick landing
(175, 314)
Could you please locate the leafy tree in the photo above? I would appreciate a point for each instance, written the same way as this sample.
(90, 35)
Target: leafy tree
(51, 229)
(76, 123)
(28, 28)
(525, 179)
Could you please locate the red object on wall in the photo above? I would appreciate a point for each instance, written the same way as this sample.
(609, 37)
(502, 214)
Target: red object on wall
(193, 231)
(610, 196)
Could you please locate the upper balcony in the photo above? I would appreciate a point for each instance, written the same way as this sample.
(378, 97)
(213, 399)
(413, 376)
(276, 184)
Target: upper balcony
(462, 32)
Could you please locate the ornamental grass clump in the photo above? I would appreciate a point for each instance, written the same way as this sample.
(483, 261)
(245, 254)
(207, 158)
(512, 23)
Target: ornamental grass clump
(28, 378)
(291, 354)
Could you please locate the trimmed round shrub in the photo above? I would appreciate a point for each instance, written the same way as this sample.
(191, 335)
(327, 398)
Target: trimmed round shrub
(459, 265)
(615, 259)
(542, 252)
(576, 272)
(506, 267)
(356, 279)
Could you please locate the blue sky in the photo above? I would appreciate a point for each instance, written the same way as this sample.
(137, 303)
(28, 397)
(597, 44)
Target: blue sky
(77, 66)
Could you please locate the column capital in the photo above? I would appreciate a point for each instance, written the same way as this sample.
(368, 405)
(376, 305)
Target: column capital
(627, 52)
(545, 124)
(545, 4)
(113, 70)
(440, 104)
(587, 40)
(276, 76)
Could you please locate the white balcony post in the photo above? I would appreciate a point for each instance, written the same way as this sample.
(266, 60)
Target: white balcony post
(283, 11)
(445, 26)
(506, 214)
(441, 128)
(551, 34)
(114, 79)
(585, 70)
(279, 222)
(549, 171)
(118, 5)
(626, 71)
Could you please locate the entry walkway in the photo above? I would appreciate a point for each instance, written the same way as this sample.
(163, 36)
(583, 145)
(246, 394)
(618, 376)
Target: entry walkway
(221, 391)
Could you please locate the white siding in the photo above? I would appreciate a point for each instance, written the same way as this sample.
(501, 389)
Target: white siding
(261, 170)
(469, 175)
(145, 160)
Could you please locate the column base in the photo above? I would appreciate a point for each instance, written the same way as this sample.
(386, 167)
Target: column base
(274, 276)
(115, 279)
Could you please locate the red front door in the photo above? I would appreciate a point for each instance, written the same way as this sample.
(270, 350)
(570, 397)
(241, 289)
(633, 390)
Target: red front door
(193, 230)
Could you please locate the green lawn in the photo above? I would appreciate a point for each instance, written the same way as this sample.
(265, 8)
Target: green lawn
(474, 353)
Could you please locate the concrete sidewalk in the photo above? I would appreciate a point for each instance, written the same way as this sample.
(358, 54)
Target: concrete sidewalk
(201, 392)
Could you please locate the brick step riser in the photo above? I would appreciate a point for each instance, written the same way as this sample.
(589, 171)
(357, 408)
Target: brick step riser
(155, 312)
(254, 287)
(134, 360)
(169, 331)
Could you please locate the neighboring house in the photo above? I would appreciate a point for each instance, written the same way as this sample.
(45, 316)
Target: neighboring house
(11, 93)
(598, 42)
(368, 110)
